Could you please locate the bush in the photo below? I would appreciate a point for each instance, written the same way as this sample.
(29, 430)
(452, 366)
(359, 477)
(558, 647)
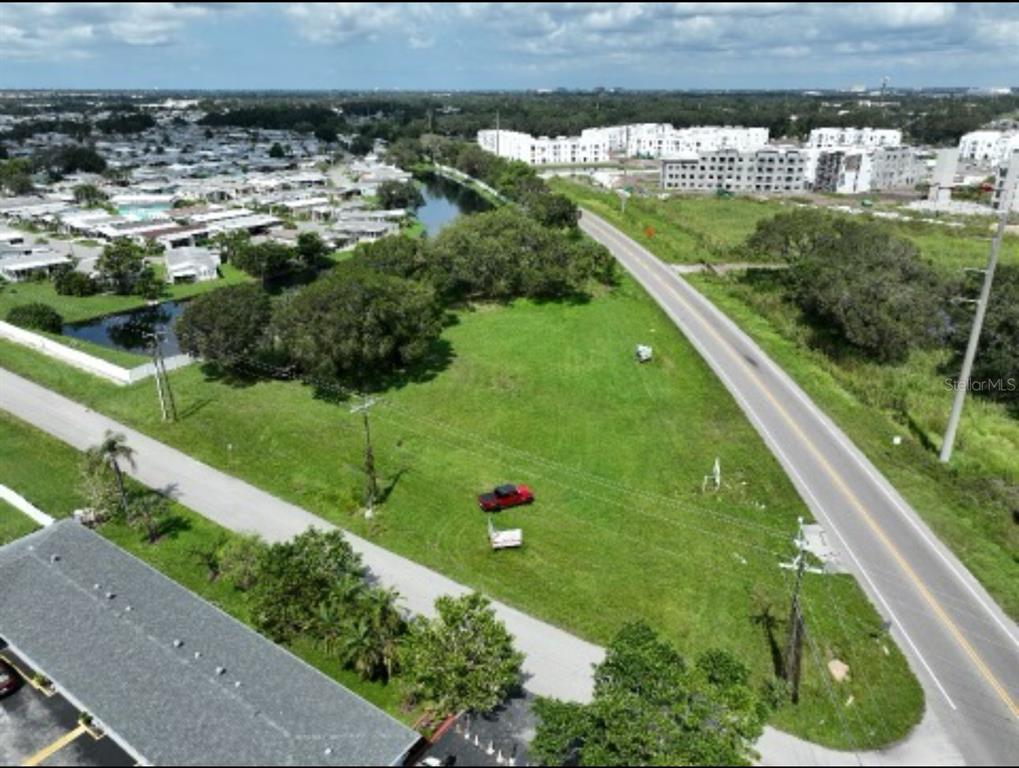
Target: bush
(70, 282)
(36, 316)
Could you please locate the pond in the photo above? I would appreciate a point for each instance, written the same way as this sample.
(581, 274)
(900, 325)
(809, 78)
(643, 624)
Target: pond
(131, 331)
(445, 200)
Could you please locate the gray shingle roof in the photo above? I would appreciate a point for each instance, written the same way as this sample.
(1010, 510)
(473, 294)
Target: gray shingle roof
(102, 625)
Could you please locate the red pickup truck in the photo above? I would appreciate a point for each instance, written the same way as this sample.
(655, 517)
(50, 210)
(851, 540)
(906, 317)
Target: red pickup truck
(505, 496)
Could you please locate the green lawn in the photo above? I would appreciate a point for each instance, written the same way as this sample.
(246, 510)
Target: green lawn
(55, 492)
(968, 505)
(549, 394)
(77, 308)
(13, 522)
(680, 230)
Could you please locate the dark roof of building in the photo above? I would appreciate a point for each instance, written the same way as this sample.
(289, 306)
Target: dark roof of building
(169, 674)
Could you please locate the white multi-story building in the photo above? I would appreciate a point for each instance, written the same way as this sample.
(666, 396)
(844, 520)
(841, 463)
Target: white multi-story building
(988, 149)
(766, 170)
(833, 138)
(1007, 185)
(597, 145)
(543, 150)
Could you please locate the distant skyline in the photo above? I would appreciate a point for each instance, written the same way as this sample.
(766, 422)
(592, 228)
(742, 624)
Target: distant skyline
(506, 46)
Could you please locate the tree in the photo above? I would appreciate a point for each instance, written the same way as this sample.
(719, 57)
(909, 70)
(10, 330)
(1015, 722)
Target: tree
(394, 255)
(362, 627)
(70, 282)
(553, 210)
(357, 324)
(463, 659)
(503, 254)
(16, 176)
(650, 708)
(239, 559)
(120, 266)
(225, 326)
(89, 195)
(295, 577)
(871, 291)
(147, 513)
(36, 316)
(311, 249)
(109, 453)
(399, 194)
(231, 243)
(276, 151)
(264, 260)
(792, 236)
(98, 487)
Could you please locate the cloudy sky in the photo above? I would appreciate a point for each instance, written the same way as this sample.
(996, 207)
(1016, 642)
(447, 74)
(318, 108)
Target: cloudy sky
(493, 46)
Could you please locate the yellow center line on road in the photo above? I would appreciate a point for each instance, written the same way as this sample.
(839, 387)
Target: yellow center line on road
(981, 666)
(55, 747)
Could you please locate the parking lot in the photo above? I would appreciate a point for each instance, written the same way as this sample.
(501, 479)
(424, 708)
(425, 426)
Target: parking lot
(36, 729)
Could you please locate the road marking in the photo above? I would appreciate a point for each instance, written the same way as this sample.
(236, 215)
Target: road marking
(840, 483)
(55, 747)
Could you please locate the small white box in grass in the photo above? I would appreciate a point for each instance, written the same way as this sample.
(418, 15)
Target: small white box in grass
(897, 440)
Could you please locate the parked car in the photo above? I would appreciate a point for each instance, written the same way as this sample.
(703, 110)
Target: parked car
(10, 681)
(505, 496)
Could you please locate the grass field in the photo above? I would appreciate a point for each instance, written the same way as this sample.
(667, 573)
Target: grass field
(13, 523)
(76, 308)
(549, 394)
(55, 492)
(680, 230)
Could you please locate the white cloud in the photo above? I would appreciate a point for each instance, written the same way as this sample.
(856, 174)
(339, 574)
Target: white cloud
(57, 31)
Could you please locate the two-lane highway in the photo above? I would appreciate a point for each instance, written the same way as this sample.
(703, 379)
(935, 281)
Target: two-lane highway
(964, 649)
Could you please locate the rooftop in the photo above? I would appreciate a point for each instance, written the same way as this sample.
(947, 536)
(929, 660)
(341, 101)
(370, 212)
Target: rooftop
(169, 674)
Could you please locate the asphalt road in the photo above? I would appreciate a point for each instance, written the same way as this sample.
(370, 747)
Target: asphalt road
(963, 648)
(557, 663)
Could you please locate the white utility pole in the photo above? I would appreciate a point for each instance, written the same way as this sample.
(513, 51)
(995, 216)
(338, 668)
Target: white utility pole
(1007, 191)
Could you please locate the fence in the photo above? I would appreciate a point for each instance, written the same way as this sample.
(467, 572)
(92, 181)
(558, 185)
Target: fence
(82, 360)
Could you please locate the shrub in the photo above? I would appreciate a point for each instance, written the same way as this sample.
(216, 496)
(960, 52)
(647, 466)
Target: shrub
(36, 316)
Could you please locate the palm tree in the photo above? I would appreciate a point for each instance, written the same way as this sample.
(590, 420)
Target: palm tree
(363, 630)
(111, 451)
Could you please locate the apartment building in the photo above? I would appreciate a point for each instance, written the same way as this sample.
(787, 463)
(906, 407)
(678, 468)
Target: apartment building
(598, 145)
(855, 170)
(988, 149)
(543, 150)
(833, 138)
(767, 170)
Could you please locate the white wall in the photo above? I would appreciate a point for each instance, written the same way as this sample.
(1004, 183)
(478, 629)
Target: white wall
(83, 361)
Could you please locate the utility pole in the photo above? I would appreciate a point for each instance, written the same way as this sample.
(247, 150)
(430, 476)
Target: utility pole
(794, 638)
(167, 405)
(371, 483)
(1009, 182)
